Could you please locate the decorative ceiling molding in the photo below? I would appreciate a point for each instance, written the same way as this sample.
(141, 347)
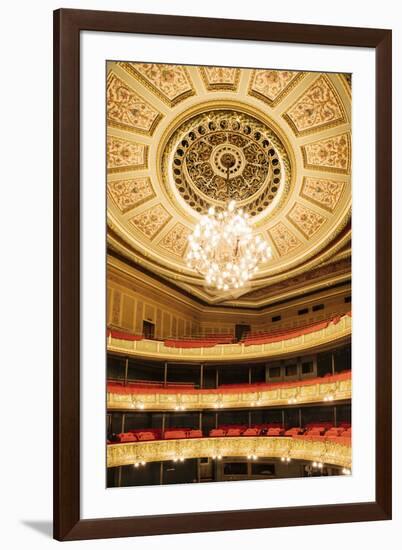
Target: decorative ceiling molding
(124, 155)
(151, 221)
(220, 78)
(307, 221)
(171, 83)
(294, 183)
(127, 110)
(284, 240)
(331, 154)
(322, 192)
(130, 193)
(271, 86)
(317, 108)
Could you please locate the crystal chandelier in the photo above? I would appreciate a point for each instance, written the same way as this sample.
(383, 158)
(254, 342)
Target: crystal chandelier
(223, 247)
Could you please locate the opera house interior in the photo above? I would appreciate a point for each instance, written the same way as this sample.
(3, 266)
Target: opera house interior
(229, 317)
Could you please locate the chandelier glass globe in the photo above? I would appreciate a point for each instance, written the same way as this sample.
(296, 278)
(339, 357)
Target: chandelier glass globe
(224, 249)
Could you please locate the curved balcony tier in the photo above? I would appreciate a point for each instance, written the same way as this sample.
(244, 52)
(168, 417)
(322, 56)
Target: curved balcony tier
(327, 333)
(329, 388)
(327, 452)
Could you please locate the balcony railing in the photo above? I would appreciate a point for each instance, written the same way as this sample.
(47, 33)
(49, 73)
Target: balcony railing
(262, 347)
(322, 451)
(329, 388)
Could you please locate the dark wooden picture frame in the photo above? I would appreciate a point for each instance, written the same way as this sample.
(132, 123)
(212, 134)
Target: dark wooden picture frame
(67, 27)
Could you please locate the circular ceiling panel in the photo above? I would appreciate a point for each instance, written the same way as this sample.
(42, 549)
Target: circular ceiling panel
(219, 143)
(181, 139)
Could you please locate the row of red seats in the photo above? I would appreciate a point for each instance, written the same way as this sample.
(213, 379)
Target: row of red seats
(286, 334)
(132, 388)
(120, 335)
(325, 430)
(116, 386)
(211, 340)
(199, 341)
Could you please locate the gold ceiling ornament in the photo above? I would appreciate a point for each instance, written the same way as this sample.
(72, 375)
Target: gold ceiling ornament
(271, 86)
(220, 78)
(314, 164)
(193, 159)
(127, 110)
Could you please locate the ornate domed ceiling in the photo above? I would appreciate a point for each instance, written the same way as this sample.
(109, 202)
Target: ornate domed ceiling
(173, 130)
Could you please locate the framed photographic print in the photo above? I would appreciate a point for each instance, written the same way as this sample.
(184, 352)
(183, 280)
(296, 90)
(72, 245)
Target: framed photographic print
(206, 175)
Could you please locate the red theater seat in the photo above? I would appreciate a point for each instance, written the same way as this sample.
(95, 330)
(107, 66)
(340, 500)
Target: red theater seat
(293, 431)
(334, 432)
(234, 432)
(194, 433)
(146, 436)
(127, 437)
(217, 432)
(175, 434)
(275, 432)
(252, 432)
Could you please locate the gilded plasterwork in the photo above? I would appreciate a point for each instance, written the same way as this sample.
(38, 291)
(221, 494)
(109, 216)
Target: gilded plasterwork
(319, 107)
(220, 78)
(329, 452)
(272, 86)
(331, 154)
(339, 390)
(261, 168)
(324, 192)
(176, 240)
(171, 83)
(151, 221)
(272, 172)
(306, 220)
(284, 240)
(127, 110)
(130, 193)
(125, 155)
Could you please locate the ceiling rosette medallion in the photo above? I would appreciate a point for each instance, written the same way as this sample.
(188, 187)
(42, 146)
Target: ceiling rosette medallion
(193, 161)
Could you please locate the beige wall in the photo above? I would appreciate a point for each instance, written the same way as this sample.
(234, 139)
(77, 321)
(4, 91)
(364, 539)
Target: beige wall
(133, 299)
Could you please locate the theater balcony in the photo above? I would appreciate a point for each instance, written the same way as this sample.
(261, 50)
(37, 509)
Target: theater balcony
(224, 347)
(150, 397)
(337, 453)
